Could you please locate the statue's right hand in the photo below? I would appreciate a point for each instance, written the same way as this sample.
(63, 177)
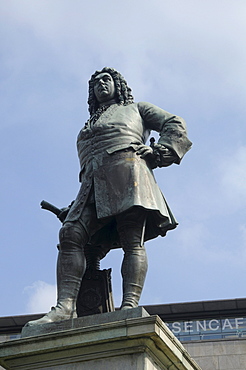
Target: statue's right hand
(144, 150)
(63, 214)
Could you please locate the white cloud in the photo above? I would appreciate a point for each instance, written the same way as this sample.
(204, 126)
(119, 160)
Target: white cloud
(169, 34)
(192, 238)
(195, 240)
(242, 232)
(172, 53)
(41, 297)
(233, 177)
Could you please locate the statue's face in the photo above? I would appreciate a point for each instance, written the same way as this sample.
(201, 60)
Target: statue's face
(104, 87)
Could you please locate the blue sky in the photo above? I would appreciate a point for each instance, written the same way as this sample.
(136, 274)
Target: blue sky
(188, 57)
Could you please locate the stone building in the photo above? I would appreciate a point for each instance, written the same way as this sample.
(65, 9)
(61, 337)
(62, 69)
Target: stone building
(213, 332)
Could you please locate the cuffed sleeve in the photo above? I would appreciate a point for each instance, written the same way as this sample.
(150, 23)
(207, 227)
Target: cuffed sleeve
(172, 129)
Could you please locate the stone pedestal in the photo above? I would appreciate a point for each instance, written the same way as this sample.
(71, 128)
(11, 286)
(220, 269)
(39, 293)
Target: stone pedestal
(120, 340)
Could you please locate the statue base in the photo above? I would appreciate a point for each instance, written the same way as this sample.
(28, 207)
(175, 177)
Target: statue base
(121, 340)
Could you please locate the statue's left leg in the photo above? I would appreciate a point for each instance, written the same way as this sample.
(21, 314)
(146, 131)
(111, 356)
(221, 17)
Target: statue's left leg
(130, 227)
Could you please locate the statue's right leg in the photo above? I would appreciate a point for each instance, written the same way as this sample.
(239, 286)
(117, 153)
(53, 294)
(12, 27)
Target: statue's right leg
(71, 265)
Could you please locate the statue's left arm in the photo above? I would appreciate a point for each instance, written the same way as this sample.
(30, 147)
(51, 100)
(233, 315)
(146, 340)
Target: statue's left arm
(173, 142)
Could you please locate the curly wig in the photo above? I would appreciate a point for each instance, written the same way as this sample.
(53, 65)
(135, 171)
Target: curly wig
(123, 92)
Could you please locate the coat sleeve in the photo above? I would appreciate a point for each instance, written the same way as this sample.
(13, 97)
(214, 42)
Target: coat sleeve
(172, 129)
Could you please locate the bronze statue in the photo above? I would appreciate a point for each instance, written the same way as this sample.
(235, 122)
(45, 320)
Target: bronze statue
(119, 203)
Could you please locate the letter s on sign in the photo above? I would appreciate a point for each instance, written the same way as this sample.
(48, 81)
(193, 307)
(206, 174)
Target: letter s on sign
(176, 327)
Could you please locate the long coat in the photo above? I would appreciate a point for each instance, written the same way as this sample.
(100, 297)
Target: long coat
(120, 178)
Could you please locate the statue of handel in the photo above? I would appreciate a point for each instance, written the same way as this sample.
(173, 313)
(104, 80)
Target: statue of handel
(119, 203)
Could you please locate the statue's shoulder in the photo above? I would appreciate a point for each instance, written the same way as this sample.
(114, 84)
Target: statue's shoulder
(145, 109)
(145, 105)
(128, 108)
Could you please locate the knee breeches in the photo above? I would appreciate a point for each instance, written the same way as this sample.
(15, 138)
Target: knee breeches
(130, 228)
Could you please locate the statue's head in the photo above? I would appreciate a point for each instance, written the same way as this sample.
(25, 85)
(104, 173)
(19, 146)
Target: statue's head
(117, 89)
